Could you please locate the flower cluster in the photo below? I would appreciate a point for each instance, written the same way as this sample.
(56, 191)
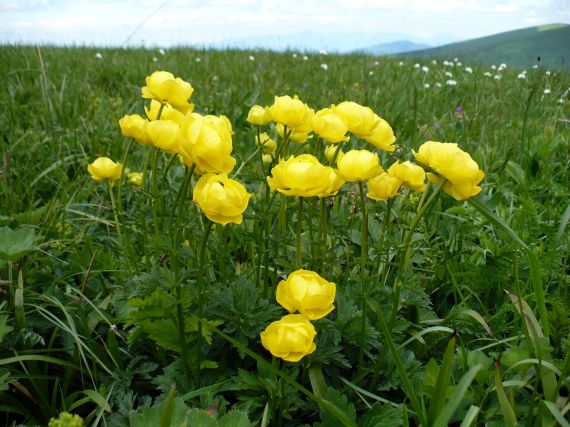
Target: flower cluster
(292, 337)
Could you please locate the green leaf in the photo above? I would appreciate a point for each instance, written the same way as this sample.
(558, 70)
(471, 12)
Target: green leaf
(506, 408)
(516, 172)
(440, 391)
(471, 416)
(456, 397)
(4, 328)
(14, 244)
(556, 413)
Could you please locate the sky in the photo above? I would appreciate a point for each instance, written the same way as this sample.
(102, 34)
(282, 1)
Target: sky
(304, 24)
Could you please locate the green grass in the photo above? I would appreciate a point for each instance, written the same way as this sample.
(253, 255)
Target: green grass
(99, 326)
(519, 48)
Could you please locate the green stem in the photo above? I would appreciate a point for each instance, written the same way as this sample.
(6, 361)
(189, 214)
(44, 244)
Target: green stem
(363, 256)
(336, 152)
(201, 302)
(323, 233)
(246, 161)
(178, 208)
(155, 194)
(286, 135)
(120, 186)
(384, 232)
(405, 252)
(115, 213)
(299, 258)
(182, 331)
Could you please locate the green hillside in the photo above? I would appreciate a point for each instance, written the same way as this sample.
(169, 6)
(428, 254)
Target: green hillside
(519, 47)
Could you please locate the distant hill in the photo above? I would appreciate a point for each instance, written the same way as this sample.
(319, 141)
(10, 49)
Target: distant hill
(518, 48)
(398, 46)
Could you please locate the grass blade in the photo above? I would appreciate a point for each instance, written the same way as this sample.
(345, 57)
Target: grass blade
(556, 413)
(442, 383)
(506, 408)
(471, 416)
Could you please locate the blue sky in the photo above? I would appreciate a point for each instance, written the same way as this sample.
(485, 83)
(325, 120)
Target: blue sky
(331, 24)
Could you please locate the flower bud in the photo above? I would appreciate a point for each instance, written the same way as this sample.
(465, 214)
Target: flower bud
(291, 338)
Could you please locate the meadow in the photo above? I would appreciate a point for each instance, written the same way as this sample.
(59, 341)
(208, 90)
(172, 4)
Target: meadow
(122, 303)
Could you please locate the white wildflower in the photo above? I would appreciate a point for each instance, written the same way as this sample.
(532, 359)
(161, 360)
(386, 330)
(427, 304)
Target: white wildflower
(438, 84)
(425, 69)
(400, 63)
(497, 77)
(469, 70)
(459, 64)
(487, 74)
(251, 58)
(455, 59)
(294, 55)
(416, 65)
(98, 56)
(324, 67)
(547, 73)
(305, 58)
(521, 76)
(434, 62)
(426, 85)
(493, 67)
(323, 52)
(154, 59)
(197, 59)
(161, 51)
(534, 67)
(448, 74)
(451, 83)
(547, 91)
(371, 73)
(376, 63)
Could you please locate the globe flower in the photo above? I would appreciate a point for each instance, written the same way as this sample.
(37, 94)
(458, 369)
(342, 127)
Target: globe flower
(294, 136)
(308, 293)
(168, 112)
(291, 338)
(135, 178)
(221, 121)
(361, 120)
(165, 134)
(330, 126)
(304, 176)
(266, 158)
(104, 169)
(223, 200)
(412, 176)
(381, 136)
(383, 186)
(358, 165)
(450, 162)
(330, 151)
(164, 87)
(258, 116)
(208, 145)
(134, 126)
(291, 112)
(265, 143)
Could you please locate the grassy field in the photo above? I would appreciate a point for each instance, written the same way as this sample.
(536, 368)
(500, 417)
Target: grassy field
(468, 323)
(519, 47)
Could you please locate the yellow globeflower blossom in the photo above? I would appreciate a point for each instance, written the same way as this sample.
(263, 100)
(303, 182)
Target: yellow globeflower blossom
(358, 165)
(134, 126)
(308, 293)
(168, 112)
(291, 338)
(448, 161)
(304, 176)
(135, 178)
(208, 145)
(104, 169)
(330, 151)
(265, 143)
(382, 136)
(291, 112)
(164, 87)
(223, 200)
(361, 120)
(258, 116)
(383, 186)
(412, 176)
(294, 136)
(165, 134)
(330, 126)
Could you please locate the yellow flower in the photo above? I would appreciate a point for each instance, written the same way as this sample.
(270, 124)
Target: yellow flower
(308, 293)
(449, 161)
(168, 112)
(266, 144)
(135, 178)
(358, 165)
(104, 169)
(266, 158)
(165, 134)
(383, 187)
(291, 112)
(223, 200)
(330, 151)
(382, 136)
(134, 126)
(412, 176)
(361, 120)
(291, 338)
(221, 121)
(294, 136)
(258, 116)
(304, 176)
(330, 126)
(164, 87)
(208, 145)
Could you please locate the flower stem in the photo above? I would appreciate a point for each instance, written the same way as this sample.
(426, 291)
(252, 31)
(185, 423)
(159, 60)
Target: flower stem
(155, 193)
(115, 213)
(363, 256)
(405, 253)
(299, 258)
(201, 302)
(323, 232)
